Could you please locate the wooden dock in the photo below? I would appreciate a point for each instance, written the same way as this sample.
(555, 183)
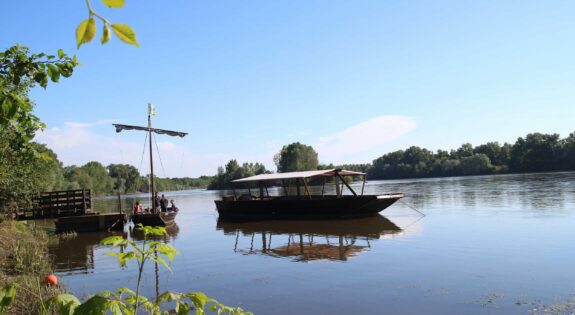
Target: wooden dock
(56, 204)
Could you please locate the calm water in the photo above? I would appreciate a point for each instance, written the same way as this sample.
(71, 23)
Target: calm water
(487, 245)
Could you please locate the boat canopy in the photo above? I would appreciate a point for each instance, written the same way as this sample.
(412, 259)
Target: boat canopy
(301, 175)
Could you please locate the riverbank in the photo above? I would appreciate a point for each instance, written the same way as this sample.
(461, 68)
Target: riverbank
(24, 261)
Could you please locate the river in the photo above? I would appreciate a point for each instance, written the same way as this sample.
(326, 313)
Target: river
(501, 244)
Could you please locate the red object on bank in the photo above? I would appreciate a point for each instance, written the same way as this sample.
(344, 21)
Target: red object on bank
(51, 280)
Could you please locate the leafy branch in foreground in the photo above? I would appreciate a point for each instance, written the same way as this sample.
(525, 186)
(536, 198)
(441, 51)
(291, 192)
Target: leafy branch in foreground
(20, 71)
(86, 30)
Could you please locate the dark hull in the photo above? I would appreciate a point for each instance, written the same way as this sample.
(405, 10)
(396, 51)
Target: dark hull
(91, 223)
(318, 207)
(154, 219)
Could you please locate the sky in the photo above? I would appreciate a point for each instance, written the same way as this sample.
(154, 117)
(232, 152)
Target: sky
(353, 79)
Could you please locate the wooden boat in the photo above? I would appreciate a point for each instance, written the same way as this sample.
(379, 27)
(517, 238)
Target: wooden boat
(154, 217)
(303, 205)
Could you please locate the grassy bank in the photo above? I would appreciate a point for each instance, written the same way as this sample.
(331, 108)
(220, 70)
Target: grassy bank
(24, 261)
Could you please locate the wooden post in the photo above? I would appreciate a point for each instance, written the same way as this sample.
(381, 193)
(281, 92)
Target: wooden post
(344, 182)
(261, 190)
(306, 189)
(363, 185)
(84, 200)
(298, 188)
(120, 203)
(337, 189)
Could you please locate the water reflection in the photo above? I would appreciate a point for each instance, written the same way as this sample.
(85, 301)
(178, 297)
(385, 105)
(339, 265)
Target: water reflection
(75, 255)
(308, 240)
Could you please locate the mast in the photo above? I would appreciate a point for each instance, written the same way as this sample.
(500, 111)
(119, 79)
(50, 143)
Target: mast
(151, 111)
(150, 130)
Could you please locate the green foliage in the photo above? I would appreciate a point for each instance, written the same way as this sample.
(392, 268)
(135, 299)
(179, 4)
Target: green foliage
(7, 297)
(86, 30)
(535, 153)
(296, 157)
(20, 71)
(125, 177)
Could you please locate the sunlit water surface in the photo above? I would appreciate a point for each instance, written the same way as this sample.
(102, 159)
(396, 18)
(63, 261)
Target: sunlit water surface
(487, 245)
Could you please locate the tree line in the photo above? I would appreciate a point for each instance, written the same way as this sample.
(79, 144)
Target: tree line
(536, 152)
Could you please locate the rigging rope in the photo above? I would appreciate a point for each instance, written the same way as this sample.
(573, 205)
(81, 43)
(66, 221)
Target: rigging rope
(159, 156)
(142, 162)
(401, 201)
(178, 186)
(143, 152)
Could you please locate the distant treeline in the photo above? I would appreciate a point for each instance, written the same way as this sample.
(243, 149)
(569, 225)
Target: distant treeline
(121, 178)
(536, 152)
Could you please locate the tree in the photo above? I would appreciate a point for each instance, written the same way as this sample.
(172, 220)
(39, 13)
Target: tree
(234, 171)
(477, 164)
(19, 72)
(101, 182)
(125, 177)
(537, 152)
(296, 157)
(25, 167)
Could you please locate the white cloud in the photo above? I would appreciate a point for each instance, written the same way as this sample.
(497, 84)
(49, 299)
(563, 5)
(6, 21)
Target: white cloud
(363, 138)
(76, 143)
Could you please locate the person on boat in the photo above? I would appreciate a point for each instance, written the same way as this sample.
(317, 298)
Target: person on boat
(138, 208)
(173, 206)
(157, 197)
(164, 204)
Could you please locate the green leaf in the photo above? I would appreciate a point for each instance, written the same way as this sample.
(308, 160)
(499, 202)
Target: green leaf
(85, 31)
(114, 241)
(169, 296)
(183, 308)
(54, 72)
(66, 304)
(61, 54)
(167, 250)
(7, 296)
(106, 35)
(125, 34)
(6, 108)
(114, 3)
(96, 305)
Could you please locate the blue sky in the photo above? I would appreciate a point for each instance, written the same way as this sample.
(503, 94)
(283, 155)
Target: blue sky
(354, 79)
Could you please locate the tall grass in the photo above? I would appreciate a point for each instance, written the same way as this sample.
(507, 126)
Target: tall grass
(24, 261)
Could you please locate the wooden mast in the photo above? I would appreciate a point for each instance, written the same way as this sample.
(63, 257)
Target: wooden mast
(150, 112)
(150, 130)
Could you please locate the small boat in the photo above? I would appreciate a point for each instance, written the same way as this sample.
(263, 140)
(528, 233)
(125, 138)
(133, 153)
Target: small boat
(154, 217)
(303, 205)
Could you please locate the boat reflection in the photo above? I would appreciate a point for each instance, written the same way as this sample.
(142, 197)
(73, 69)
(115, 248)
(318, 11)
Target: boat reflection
(76, 254)
(308, 240)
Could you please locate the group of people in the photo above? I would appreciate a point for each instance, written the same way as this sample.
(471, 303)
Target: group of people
(161, 205)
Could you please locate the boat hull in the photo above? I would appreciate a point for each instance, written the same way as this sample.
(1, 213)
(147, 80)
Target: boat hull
(154, 219)
(91, 223)
(317, 207)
